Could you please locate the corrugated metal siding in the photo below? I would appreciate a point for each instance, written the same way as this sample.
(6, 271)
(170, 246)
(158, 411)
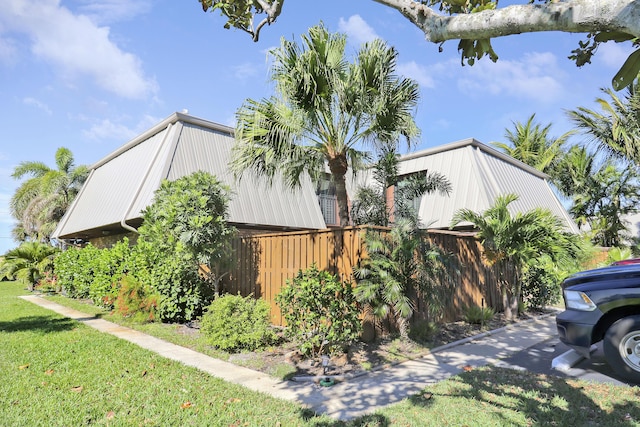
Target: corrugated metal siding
(253, 201)
(477, 178)
(156, 173)
(469, 187)
(110, 190)
(533, 192)
(125, 183)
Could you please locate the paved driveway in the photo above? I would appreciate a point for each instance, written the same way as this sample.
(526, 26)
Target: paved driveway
(539, 359)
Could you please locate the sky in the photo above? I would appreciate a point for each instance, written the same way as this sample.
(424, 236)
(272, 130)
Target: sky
(90, 75)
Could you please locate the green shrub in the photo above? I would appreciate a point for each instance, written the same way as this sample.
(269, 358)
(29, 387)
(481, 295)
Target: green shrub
(171, 272)
(234, 323)
(108, 268)
(423, 331)
(478, 315)
(541, 284)
(74, 269)
(136, 301)
(321, 313)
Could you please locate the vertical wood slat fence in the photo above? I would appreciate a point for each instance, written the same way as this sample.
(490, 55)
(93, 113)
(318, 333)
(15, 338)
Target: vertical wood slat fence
(265, 262)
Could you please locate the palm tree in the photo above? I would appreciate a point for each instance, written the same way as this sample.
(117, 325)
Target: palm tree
(324, 110)
(516, 240)
(28, 263)
(531, 144)
(402, 264)
(601, 195)
(41, 201)
(616, 129)
(370, 204)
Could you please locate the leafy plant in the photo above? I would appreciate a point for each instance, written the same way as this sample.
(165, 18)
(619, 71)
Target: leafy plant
(321, 312)
(136, 301)
(191, 214)
(233, 323)
(518, 241)
(171, 271)
(75, 270)
(28, 263)
(478, 315)
(370, 204)
(402, 264)
(423, 331)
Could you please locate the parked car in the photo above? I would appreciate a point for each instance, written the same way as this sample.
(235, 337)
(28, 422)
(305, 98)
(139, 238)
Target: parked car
(604, 305)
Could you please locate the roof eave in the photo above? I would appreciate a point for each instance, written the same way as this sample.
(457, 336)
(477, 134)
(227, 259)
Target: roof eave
(173, 118)
(472, 142)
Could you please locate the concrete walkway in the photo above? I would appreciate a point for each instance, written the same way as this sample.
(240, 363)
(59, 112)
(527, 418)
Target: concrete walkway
(357, 396)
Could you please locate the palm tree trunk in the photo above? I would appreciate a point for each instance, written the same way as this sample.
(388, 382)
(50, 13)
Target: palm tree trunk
(338, 167)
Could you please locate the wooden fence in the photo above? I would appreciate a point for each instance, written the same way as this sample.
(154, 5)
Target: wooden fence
(265, 262)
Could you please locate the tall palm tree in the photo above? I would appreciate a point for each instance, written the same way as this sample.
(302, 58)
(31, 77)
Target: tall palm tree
(616, 129)
(41, 201)
(601, 194)
(325, 110)
(28, 263)
(531, 144)
(516, 240)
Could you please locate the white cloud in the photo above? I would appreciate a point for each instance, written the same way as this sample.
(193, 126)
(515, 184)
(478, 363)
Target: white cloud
(115, 130)
(106, 11)
(38, 104)
(245, 71)
(418, 72)
(536, 76)
(613, 54)
(357, 29)
(106, 129)
(77, 46)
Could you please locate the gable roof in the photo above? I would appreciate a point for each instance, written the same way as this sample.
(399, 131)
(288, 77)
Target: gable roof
(123, 183)
(478, 174)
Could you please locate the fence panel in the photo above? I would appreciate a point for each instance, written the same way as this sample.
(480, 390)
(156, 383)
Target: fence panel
(265, 262)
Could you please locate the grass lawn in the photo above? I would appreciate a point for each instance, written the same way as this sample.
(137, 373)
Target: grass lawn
(54, 371)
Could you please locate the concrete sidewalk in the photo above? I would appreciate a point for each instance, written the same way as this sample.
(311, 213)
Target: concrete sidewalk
(357, 396)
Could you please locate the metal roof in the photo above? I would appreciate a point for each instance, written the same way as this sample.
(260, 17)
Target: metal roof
(478, 174)
(122, 184)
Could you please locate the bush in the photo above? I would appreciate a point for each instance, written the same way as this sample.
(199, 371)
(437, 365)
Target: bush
(478, 315)
(541, 285)
(171, 272)
(74, 269)
(423, 331)
(136, 301)
(234, 323)
(321, 313)
(109, 265)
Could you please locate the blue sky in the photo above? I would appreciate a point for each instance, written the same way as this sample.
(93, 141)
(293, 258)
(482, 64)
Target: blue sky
(90, 75)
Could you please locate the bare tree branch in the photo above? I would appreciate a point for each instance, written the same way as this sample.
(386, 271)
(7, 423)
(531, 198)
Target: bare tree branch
(575, 16)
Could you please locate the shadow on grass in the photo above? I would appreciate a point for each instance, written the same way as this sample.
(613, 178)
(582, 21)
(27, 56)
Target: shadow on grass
(374, 420)
(44, 324)
(542, 399)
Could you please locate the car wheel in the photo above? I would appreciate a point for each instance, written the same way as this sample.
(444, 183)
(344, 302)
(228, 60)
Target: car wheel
(622, 347)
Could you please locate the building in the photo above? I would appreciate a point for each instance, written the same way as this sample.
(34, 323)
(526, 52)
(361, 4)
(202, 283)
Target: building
(120, 186)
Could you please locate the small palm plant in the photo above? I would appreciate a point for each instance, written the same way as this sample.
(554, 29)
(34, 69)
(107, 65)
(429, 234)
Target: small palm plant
(28, 263)
(517, 240)
(401, 265)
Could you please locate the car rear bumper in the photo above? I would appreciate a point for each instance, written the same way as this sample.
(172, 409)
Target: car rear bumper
(575, 329)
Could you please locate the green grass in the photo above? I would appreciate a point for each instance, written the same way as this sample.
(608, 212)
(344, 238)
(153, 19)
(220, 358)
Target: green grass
(57, 372)
(170, 333)
(493, 396)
